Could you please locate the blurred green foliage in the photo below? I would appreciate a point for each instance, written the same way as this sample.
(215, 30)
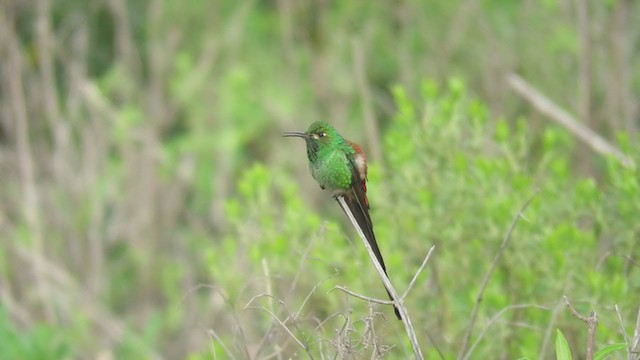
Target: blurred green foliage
(40, 342)
(168, 205)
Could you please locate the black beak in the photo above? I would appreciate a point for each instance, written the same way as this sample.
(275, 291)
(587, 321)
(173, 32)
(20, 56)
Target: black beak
(295, 134)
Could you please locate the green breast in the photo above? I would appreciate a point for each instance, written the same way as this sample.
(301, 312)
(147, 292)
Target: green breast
(332, 170)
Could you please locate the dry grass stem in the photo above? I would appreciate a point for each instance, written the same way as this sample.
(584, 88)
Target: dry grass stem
(362, 297)
(557, 114)
(463, 354)
(551, 326)
(622, 328)
(415, 276)
(215, 338)
(493, 321)
(634, 352)
(303, 345)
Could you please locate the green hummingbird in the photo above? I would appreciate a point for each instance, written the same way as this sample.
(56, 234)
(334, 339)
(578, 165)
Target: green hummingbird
(340, 166)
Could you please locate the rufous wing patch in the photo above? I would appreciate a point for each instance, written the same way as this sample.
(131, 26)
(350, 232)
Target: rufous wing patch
(360, 161)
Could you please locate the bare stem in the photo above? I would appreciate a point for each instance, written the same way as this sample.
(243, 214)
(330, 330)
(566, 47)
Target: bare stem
(397, 301)
(634, 352)
(415, 277)
(214, 338)
(624, 331)
(17, 98)
(304, 346)
(464, 354)
(557, 114)
(362, 297)
(551, 324)
(496, 317)
(592, 323)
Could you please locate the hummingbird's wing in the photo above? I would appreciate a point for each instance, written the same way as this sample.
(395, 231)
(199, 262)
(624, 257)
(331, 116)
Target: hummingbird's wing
(356, 199)
(358, 206)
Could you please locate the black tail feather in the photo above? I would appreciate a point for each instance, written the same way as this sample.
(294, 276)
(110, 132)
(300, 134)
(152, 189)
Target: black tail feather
(360, 213)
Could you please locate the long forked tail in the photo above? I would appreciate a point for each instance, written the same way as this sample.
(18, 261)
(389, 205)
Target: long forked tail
(359, 217)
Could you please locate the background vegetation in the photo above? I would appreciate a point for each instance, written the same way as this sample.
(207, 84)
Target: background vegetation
(148, 199)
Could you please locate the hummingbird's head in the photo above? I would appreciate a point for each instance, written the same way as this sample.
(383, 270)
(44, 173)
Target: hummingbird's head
(319, 131)
(319, 134)
(322, 132)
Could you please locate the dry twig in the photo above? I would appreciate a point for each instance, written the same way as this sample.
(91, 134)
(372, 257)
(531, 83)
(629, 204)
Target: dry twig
(592, 323)
(370, 336)
(624, 331)
(464, 354)
(362, 297)
(388, 302)
(634, 351)
(557, 114)
(551, 324)
(303, 345)
(495, 318)
(214, 337)
(293, 316)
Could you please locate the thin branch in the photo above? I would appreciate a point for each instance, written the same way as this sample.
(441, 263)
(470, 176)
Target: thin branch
(321, 350)
(231, 311)
(282, 324)
(215, 337)
(495, 318)
(624, 331)
(631, 261)
(362, 297)
(290, 317)
(415, 277)
(370, 333)
(342, 341)
(557, 114)
(592, 323)
(552, 321)
(573, 310)
(320, 324)
(31, 207)
(303, 260)
(313, 290)
(634, 352)
(435, 345)
(269, 286)
(387, 283)
(505, 241)
(294, 283)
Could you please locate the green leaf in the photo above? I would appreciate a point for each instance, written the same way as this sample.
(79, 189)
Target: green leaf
(563, 352)
(605, 351)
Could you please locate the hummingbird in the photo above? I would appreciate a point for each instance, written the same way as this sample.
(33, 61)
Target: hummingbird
(340, 166)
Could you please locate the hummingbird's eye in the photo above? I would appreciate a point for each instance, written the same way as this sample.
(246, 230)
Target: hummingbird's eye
(322, 134)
